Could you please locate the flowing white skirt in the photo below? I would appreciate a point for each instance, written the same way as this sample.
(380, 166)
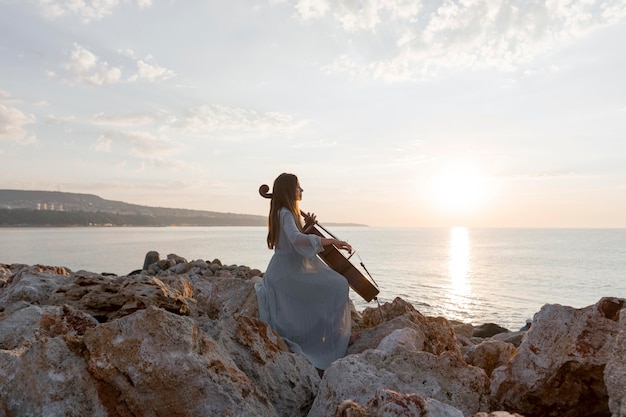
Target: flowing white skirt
(306, 303)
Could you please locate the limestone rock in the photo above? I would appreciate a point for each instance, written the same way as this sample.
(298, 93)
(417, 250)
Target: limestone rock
(32, 284)
(142, 361)
(488, 355)
(615, 372)
(558, 368)
(488, 330)
(444, 377)
(388, 403)
(184, 339)
(48, 377)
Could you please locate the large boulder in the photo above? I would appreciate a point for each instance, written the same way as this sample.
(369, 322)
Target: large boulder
(558, 369)
(398, 367)
(615, 372)
(156, 363)
(184, 339)
(42, 368)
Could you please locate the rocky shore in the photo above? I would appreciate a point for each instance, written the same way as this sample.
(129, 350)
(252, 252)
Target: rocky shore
(183, 338)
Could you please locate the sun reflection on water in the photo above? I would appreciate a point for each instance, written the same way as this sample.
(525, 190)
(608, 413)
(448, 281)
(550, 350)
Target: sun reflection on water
(459, 268)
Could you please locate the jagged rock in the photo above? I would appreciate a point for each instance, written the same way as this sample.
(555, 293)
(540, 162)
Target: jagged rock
(488, 330)
(558, 368)
(388, 403)
(373, 316)
(30, 323)
(151, 258)
(41, 365)
(5, 272)
(437, 333)
(488, 355)
(183, 339)
(444, 377)
(615, 372)
(157, 363)
(221, 297)
(107, 298)
(514, 338)
(33, 284)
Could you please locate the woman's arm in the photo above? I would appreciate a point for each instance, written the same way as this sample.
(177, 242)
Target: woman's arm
(340, 244)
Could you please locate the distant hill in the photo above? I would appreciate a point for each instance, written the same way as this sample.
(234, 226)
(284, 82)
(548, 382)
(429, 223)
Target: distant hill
(55, 208)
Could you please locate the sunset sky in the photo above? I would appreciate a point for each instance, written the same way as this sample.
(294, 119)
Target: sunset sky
(478, 113)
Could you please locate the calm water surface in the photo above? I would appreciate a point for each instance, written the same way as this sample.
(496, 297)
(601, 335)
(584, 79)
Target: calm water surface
(472, 275)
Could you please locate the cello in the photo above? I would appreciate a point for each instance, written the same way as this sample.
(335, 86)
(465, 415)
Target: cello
(335, 259)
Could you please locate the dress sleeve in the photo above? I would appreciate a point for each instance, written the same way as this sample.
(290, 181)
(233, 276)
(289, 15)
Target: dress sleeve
(306, 245)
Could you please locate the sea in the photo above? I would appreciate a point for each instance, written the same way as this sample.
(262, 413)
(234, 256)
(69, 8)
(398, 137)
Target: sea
(472, 275)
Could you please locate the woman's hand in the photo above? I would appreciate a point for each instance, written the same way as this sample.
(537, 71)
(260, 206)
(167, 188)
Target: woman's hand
(340, 244)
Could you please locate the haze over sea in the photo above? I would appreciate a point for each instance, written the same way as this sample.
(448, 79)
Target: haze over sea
(473, 275)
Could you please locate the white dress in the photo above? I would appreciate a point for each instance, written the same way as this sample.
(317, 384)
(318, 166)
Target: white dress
(304, 300)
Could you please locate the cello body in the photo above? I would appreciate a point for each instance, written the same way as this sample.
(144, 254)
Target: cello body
(335, 259)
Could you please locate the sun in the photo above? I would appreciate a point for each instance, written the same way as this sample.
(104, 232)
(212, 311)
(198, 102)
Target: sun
(459, 188)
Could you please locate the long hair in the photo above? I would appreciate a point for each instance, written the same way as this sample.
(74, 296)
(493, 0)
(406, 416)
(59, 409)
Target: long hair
(283, 195)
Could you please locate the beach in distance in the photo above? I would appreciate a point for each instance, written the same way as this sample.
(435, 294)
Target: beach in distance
(477, 276)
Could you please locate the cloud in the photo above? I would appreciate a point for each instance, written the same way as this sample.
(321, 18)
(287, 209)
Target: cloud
(150, 72)
(87, 67)
(414, 39)
(6, 97)
(221, 119)
(85, 10)
(56, 120)
(12, 125)
(311, 9)
(368, 15)
(136, 119)
(144, 145)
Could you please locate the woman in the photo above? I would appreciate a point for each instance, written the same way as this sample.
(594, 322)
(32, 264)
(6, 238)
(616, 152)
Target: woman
(304, 300)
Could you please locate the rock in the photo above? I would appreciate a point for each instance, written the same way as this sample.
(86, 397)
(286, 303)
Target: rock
(141, 362)
(615, 372)
(26, 325)
(514, 338)
(558, 369)
(5, 272)
(108, 298)
(488, 355)
(443, 377)
(151, 258)
(438, 334)
(49, 377)
(388, 403)
(488, 330)
(184, 339)
(33, 284)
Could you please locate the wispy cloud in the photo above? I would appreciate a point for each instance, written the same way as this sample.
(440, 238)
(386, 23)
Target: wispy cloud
(214, 118)
(134, 119)
(86, 10)
(144, 145)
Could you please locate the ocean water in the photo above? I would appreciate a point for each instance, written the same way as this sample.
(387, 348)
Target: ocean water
(472, 275)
